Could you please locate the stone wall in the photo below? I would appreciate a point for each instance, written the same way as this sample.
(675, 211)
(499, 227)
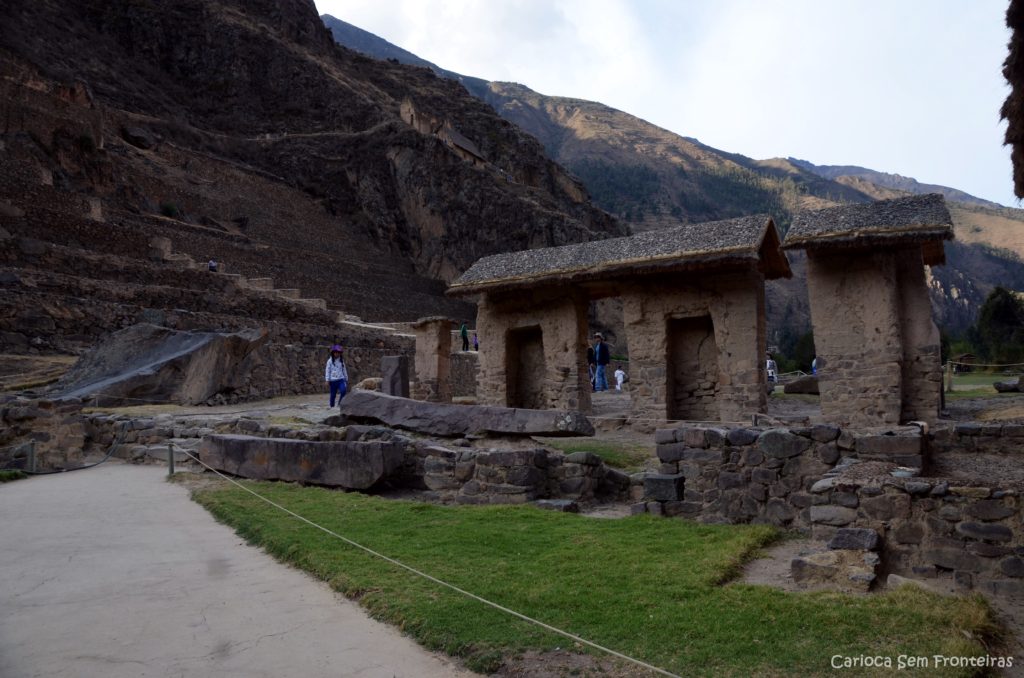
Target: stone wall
(562, 382)
(472, 476)
(930, 527)
(761, 475)
(55, 432)
(734, 308)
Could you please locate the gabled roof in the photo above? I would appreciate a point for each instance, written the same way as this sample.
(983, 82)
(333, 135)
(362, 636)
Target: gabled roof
(920, 219)
(751, 241)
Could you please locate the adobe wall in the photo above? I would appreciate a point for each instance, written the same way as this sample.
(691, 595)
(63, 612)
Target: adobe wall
(855, 311)
(735, 306)
(876, 342)
(563, 381)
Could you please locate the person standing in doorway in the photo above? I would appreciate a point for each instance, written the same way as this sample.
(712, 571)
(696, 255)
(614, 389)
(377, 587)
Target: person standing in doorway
(336, 374)
(602, 356)
(464, 333)
(476, 342)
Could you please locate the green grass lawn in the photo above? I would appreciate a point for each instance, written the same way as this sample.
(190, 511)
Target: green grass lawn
(648, 587)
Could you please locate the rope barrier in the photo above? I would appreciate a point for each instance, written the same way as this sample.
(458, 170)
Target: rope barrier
(954, 362)
(435, 580)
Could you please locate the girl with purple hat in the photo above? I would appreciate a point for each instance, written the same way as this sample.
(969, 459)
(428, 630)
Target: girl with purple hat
(336, 374)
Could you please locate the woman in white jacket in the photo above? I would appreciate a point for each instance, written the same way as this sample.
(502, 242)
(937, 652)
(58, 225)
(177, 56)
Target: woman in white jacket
(336, 374)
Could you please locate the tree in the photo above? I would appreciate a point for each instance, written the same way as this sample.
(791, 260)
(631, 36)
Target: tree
(999, 332)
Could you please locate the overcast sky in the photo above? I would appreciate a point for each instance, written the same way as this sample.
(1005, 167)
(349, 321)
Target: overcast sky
(911, 87)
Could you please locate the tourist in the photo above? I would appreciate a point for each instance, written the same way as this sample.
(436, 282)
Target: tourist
(464, 333)
(476, 342)
(212, 265)
(772, 368)
(602, 356)
(620, 377)
(814, 365)
(336, 374)
(591, 365)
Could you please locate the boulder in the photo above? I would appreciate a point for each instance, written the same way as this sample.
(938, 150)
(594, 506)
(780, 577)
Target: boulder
(139, 137)
(1009, 386)
(807, 385)
(447, 420)
(148, 363)
(352, 465)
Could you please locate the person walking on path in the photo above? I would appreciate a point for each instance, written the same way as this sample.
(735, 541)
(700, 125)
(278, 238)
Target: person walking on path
(464, 333)
(336, 374)
(620, 378)
(603, 357)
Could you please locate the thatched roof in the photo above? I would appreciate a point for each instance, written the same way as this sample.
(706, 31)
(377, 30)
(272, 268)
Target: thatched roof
(747, 241)
(921, 219)
(1013, 108)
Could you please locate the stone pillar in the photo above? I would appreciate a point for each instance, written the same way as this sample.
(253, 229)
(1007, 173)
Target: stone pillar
(741, 335)
(394, 370)
(855, 313)
(922, 356)
(433, 360)
(561, 319)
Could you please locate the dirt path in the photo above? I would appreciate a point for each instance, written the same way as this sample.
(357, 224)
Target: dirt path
(114, 572)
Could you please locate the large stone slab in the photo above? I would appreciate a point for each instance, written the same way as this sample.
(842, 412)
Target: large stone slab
(443, 419)
(352, 465)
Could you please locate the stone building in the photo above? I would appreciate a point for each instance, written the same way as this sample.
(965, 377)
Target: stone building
(693, 299)
(878, 348)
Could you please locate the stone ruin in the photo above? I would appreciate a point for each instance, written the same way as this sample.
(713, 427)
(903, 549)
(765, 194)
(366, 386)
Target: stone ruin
(878, 347)
(693, 299)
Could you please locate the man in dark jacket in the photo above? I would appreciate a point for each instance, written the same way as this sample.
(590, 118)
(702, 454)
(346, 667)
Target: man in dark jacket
(603, 357)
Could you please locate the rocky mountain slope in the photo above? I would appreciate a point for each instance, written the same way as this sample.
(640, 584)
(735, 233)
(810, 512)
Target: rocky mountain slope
(651, 178)
(240, 130)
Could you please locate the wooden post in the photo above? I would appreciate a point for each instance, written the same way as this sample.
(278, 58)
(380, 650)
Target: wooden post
(170, 460)
(949, 376)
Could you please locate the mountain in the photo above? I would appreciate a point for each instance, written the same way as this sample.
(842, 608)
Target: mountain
(239, 128)
(893, 181)
(651, 178)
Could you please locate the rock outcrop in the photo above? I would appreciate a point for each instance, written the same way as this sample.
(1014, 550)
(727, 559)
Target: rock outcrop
(147, 363)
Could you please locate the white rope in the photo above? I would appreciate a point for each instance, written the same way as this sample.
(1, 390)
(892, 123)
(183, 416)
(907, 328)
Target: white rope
(440, 582)
(954, 362)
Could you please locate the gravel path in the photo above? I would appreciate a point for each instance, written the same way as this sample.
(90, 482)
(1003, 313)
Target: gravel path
(114, 572)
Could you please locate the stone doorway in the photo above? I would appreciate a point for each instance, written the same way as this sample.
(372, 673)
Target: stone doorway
(525, 368)
(691, 369)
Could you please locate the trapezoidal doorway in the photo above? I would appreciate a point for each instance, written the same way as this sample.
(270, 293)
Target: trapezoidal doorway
(525, 368)
(691, 369)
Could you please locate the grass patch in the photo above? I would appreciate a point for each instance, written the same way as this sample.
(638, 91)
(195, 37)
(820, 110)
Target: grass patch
(278, 420)
(623, 456)
(9, 475)
(644, 586)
